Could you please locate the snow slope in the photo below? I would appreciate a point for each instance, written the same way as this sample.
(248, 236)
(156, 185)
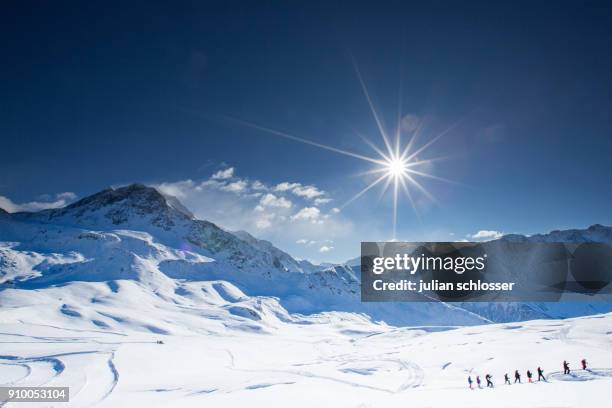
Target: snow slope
(136, 233)
(222, 349)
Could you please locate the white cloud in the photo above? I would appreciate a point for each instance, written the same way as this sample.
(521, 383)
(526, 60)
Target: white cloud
(270, 200)
(258, 186)
(326, 248)
(66, 196)
(235, 187)
(307, 214)
(286, 186)
(309, 192)
(335, 210)
(486, 235)
(207, 184)
(263, 223)
(177, 189)
(224, 174)
(321, 201)
(310, 242)
(57, 201)
(7, 205)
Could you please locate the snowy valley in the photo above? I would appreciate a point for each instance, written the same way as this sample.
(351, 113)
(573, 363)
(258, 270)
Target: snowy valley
(129, 300)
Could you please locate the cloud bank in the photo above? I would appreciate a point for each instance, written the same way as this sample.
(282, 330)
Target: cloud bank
(288, 212)
(45, 202)
(485, 235)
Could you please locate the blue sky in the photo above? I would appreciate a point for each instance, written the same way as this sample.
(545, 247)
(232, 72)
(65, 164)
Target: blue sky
(95, 97)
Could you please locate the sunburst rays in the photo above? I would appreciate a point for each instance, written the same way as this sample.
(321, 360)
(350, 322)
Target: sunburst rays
(396, 165)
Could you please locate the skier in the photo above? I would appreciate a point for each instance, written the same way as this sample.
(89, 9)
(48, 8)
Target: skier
(584, 364)
(529, 375)
(517, 377)
(470, 381)
(489, 382)
(478, 381)
(566, 369)
(541, 374)
(506, 379)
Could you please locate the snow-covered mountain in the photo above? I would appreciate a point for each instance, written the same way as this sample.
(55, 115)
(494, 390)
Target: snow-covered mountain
(127, 282)
(517, 311)
(136, 234)
(520, 311)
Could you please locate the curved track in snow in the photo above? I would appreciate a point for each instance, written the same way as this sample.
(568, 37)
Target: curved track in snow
(91, 376)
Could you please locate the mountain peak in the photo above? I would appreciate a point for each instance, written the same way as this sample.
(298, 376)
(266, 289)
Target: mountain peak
(121, 205)
(111, 195)
(144, 198)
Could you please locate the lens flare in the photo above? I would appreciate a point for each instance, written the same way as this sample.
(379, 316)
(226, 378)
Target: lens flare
(399, 166)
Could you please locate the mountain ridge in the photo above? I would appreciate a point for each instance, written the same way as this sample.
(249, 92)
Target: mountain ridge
(135, 232)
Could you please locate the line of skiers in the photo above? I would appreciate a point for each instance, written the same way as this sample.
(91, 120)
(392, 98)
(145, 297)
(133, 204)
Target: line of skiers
(517, 376)
(566, 369)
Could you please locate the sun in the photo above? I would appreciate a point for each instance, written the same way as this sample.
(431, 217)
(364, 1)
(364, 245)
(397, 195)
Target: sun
(395, 167)
(399, 166)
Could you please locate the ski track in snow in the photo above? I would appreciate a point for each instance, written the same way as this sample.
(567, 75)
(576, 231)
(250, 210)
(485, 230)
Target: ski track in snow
(589, 374)
(391, 363)
(115, 374)
(39, 367)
